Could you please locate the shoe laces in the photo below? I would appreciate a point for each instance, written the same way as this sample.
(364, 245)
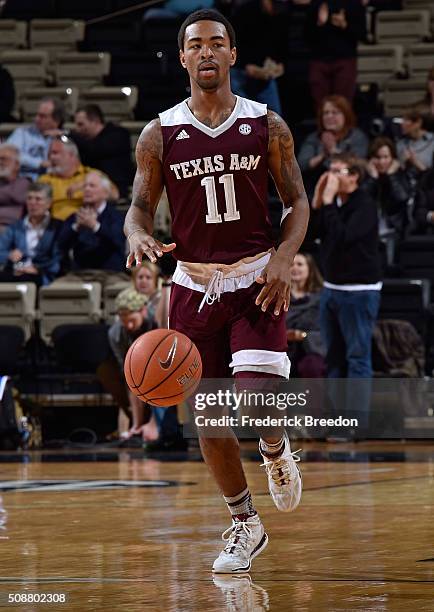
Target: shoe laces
(279, 469)
(237, 535)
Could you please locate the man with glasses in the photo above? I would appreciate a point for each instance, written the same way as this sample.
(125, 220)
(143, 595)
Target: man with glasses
(33, 141)
(347, 224)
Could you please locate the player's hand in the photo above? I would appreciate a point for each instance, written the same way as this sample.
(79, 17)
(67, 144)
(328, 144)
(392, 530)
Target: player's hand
(277, 284)
(141, 243)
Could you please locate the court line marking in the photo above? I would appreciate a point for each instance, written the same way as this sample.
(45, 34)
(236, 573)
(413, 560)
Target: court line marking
(18, 580)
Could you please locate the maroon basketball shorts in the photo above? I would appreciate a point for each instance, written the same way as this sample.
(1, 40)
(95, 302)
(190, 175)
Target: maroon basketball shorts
(233, 334)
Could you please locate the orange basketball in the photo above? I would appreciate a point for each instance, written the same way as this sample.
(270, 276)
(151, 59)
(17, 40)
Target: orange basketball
(163, 367)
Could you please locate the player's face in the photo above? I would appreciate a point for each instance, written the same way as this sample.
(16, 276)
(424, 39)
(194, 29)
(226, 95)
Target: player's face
(299, 269)
(145, 282)
(207, 55)
(383, 159)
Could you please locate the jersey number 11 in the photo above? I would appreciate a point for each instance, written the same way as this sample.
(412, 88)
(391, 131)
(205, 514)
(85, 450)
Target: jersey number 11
(231, 214)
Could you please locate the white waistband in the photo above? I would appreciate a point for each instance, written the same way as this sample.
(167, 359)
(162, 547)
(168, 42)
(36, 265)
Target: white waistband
(215, 279)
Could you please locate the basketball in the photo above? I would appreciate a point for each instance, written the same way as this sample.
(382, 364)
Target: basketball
(163, 367)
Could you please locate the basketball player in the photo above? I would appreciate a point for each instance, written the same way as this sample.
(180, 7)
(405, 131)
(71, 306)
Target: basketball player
(230, 291)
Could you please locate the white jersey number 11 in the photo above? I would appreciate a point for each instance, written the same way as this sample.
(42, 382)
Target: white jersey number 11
(231, 214)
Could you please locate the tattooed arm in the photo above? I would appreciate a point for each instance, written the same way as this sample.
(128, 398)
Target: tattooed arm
(287, 177)
(147, 188)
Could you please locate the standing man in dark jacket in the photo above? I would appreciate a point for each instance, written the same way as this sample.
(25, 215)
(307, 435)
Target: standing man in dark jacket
(348, 228)
(104, 146)
(333, 29)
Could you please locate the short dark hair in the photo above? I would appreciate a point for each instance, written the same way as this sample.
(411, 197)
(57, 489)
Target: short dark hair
(379, 143)
(355, 165)
(206, 15)
(59, 112)
(93, 112)
(413, 113)
(41, 187)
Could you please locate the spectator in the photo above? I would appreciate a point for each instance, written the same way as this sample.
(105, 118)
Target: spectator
(29, 249)
(426, 106)
(145, 281)
(348, 228)
(333, 30)
(7, 95)
(132, 323)
(423, 214)
(13, 188)
(305, 346)
(389, 186)
(262, 32)
(33, 141)
(104, 146)
(337, 133)
(416, 146)
(175, 9)
(95, 236)
(66, 176)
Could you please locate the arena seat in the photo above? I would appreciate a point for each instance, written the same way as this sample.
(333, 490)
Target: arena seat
(110, 294)
(82, 70)
(18, 306)
(427, 5)
(30, 99)
(135, 129)
(28, 68)
(80, 348)
(68, 303)
(13, 34)
(403, 27)
(12, 340)
(420, 60)
(399, 94)
(378, 63)
(117, 103)
(416, 257)
(405, 299)
(56, 35)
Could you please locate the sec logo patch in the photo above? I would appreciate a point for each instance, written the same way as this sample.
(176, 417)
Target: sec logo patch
(245, 129)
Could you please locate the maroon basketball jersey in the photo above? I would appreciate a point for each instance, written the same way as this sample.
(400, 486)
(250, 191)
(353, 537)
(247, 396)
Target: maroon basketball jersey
(216, 182)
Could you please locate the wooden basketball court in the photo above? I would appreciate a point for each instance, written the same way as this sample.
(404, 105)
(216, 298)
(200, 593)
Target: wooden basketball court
(113, 530)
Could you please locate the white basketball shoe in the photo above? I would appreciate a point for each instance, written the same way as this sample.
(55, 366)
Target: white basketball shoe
(245, 540)
(284, 478)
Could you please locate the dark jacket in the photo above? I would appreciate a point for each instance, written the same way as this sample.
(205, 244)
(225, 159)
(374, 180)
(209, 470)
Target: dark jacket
(48, 255)
(424, 203)
(391, 192)
(349, 240)
(303, 314)
(7, 95)
(109, 152)
(329, 42)
(101, 250)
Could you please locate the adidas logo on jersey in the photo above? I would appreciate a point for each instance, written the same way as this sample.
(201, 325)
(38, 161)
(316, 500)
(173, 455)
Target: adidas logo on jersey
(182, 134)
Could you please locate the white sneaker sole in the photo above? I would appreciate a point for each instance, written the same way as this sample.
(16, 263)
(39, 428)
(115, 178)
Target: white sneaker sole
(244, 570)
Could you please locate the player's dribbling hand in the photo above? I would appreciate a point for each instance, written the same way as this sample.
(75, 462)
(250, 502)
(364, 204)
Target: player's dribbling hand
(277, 284)
(141, 243)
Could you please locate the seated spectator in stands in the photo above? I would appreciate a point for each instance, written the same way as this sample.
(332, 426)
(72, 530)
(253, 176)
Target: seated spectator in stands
(348, 228)
(33, 141)
(95, 236)
(145, 281)
(104, 146)
(7, 96)
(423, 213)
(426, 106)
(416, 146)
(13, 188)
(333, 30)
(262, 32)
(305, 347)
(132, 323)
(337, 133)
(66, 176)
(29, 250)
(389, 186)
